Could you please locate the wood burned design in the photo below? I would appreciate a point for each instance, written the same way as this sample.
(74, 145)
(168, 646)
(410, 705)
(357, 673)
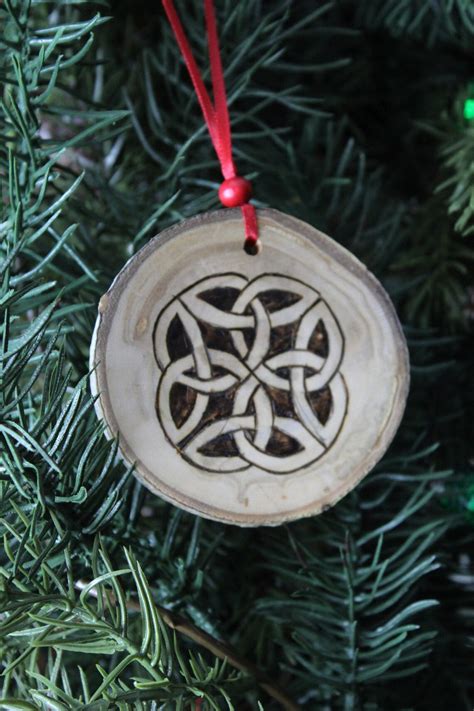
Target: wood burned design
(250, 374)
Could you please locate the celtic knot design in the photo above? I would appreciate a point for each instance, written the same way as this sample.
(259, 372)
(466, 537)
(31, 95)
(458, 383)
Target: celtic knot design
(250, 374)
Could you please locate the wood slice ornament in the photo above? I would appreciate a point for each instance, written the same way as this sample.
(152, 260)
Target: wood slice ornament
(251, 390)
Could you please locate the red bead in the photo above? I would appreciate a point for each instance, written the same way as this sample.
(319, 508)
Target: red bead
(235, 192)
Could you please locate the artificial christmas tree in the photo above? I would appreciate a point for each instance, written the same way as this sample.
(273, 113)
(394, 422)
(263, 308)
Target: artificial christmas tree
(350, 116)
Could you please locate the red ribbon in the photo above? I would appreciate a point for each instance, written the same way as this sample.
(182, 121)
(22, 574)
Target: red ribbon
(216, 115)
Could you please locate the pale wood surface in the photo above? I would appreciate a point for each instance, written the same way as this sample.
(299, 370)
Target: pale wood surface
(249, 389)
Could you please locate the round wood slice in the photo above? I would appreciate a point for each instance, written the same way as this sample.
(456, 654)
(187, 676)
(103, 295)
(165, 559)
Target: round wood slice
(249, 389)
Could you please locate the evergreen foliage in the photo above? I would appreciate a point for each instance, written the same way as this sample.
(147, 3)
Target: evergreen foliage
(349, 115)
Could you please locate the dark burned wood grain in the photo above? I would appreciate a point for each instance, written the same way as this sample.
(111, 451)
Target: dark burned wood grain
(321, 402)
(276, 299)
(282, 445)
(182, 401)
(319, 341)
(177, 340)
(218, 338)
(282, 339)
(221, 297)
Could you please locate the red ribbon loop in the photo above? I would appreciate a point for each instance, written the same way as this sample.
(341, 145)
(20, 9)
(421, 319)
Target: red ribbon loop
(216, 115)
